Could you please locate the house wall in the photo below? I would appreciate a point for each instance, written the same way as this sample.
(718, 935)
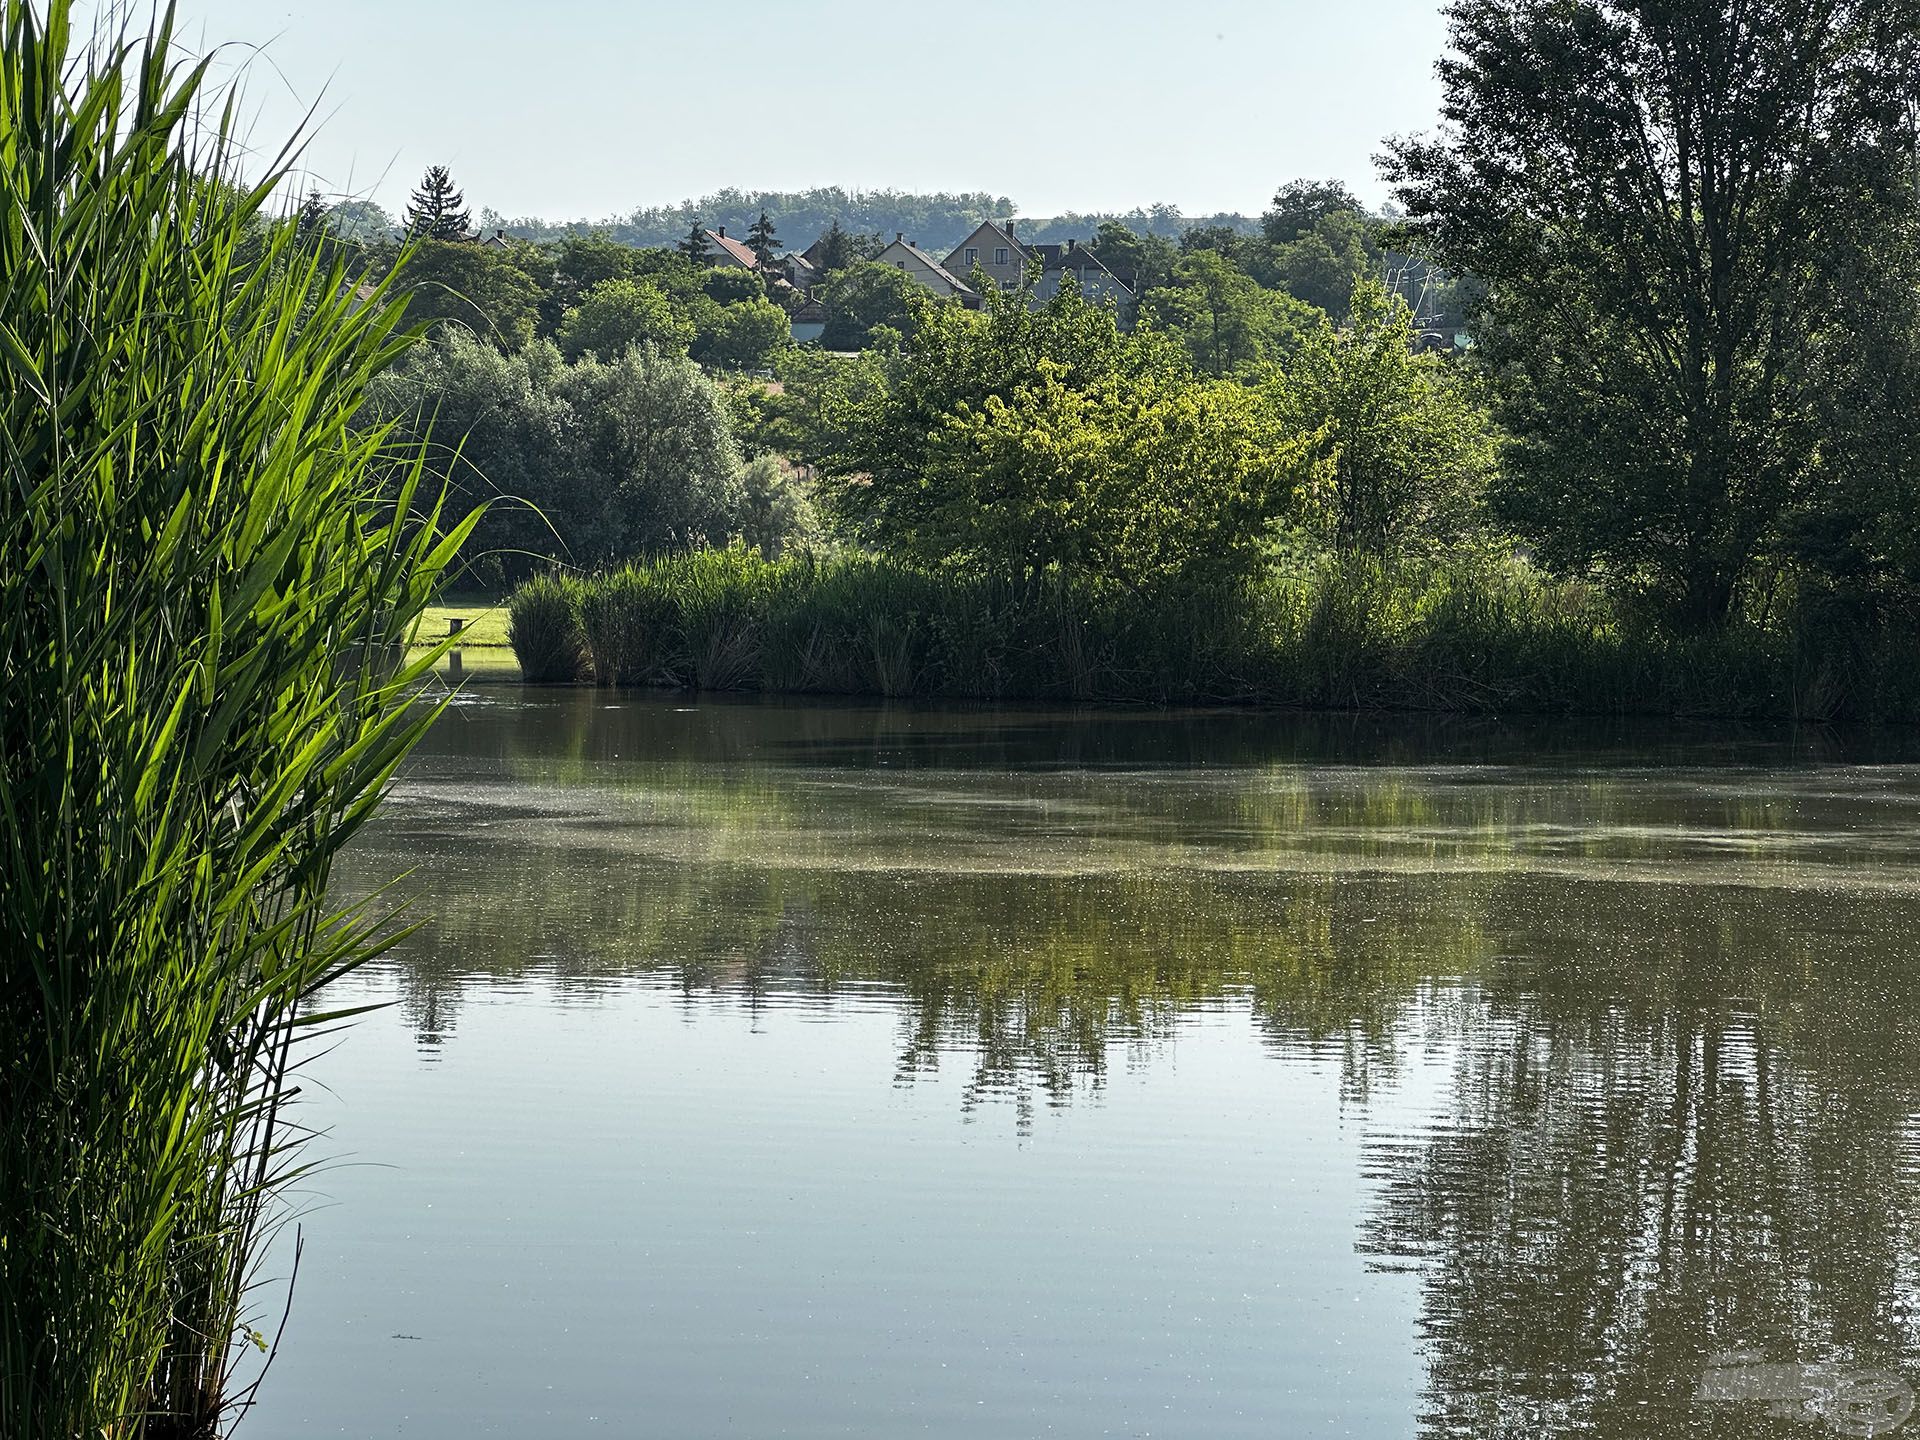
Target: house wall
(987, 240)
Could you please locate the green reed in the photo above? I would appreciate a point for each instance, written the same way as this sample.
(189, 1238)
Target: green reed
(206, 574)
(1465, 633)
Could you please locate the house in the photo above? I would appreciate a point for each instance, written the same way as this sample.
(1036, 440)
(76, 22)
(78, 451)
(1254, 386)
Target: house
(1096, 281)
(994, 248)
(723, 249)
(802, 273)
(926, 270)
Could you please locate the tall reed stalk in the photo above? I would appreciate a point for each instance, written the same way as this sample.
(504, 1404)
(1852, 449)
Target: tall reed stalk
(204, 573)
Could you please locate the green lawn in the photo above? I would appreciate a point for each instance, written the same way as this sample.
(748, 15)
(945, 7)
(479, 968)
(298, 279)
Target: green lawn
(482, 623)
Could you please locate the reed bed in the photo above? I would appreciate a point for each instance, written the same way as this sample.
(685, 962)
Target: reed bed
(205, 578)
(1478, 634)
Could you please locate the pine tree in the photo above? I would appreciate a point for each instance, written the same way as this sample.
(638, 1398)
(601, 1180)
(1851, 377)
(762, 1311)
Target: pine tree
(437, 211)
(313, 214)
(836, 249)
(762, 241)
(694, 247)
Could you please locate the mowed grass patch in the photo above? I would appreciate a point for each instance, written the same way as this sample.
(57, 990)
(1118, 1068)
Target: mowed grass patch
(483, 623)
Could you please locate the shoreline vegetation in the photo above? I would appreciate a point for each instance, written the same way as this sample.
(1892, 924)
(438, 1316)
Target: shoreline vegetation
(209, 569)
(1479, 635)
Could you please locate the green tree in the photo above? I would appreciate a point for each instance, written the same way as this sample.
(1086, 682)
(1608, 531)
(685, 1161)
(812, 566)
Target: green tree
(1223, 240)
(616, 315)
(479, 287)
(744, 335)
(1300, 204)
(836, 250)
(730, 285)
(1144, 261)
(696, 246)
(864, 295)
(1407, 450)
(1652, 237)
(362, 220)
(886, 424)
(593, 463)
(313, 215)
(1323, 264)
(437, 211)
(1224, 318)
(762, 240)
(1149, 480)
(581, 262)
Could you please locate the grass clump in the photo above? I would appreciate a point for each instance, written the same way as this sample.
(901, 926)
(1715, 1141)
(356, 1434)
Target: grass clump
(206, 575)
(1465, 633)
(544, 631)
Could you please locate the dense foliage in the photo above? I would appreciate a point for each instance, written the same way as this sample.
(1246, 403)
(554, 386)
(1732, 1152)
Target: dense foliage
(204, 590)
(595, 461)
(1693, 223)
(939, 221)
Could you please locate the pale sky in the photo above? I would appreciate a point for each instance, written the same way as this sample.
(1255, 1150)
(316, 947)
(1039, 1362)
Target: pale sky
(587, 108)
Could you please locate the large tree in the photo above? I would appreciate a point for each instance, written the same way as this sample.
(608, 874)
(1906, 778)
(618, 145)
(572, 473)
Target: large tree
(437, 210)
(1650, 192)
(1298, 204)
(696, 247)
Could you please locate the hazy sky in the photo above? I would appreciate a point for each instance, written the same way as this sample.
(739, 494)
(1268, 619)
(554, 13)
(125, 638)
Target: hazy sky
(572, 108)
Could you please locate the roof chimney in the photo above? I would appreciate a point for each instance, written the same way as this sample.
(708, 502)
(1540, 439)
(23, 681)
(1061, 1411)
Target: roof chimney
(899, 237)
(721, 231)
(1071, 245)
(499, 234)
(1010, 234)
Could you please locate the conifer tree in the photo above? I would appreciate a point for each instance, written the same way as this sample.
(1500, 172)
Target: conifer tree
(313, 214)
(836, 249)
(437, 211)
(762, 241)
(694, 247)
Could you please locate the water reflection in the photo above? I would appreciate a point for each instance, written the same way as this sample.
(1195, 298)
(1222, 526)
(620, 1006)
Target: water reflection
(1668, 1185)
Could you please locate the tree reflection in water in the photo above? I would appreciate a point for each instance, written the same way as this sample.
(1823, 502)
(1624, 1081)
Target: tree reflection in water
(1677, 1007)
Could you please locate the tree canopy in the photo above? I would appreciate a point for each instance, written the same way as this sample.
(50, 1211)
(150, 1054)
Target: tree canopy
(1652, 238)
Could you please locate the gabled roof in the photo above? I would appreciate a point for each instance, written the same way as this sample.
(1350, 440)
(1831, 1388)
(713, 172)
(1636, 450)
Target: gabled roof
(733, 247)
(999, 236)
(960, 286)
(1080, 258)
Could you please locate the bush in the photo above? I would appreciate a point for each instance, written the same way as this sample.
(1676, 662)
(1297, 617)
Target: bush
(603, 460)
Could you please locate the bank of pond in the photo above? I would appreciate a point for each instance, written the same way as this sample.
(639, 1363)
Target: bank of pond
(1488, 635)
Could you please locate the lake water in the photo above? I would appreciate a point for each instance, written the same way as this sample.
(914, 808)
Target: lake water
(794, 1070)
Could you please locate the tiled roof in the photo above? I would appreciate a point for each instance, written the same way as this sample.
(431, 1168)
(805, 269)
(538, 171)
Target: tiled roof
(734, 248)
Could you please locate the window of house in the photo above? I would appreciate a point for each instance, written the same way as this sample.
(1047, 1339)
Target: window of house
(973, 255)
(901, 264)
(999, 254)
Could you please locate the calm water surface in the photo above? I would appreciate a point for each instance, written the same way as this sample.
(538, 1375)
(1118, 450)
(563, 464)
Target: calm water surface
(808, 1071)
